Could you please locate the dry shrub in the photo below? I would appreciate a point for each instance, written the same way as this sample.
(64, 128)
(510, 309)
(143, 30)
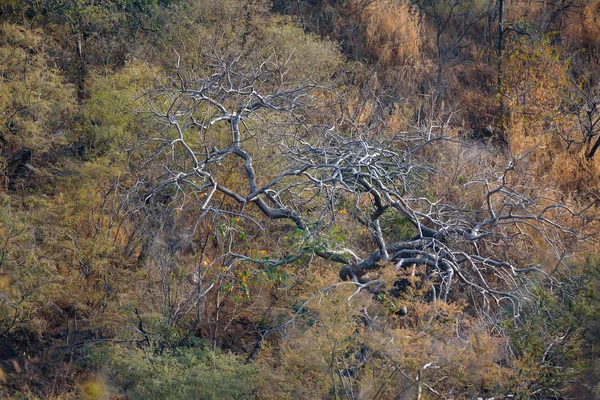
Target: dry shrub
(535, 80)
(591, 25)
(533, 16)
(473, 93)
(536, 85)
(393, 30)
(583, 29)
(571, 171)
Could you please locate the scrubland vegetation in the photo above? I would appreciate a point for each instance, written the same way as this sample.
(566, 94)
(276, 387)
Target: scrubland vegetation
(370, 199)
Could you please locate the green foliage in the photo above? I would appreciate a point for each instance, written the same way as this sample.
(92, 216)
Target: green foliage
(80, 11)
(397, 226)
(586, 312)
(26, 275)
(551, 337)
(110, 121)
(36, 106)
(307, 57)
(186, 373)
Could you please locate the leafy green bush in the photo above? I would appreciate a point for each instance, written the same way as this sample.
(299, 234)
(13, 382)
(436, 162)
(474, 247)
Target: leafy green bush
(186, 373)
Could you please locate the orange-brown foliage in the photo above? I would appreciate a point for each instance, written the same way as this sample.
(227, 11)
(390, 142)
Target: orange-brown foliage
(393, 30)
(583, 29)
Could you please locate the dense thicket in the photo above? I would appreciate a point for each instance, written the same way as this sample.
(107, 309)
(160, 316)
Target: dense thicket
(316, 199)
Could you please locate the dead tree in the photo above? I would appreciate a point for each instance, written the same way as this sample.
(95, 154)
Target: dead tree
(298, 158)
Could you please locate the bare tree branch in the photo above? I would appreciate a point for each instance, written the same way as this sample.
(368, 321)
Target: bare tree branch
(293, 161)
